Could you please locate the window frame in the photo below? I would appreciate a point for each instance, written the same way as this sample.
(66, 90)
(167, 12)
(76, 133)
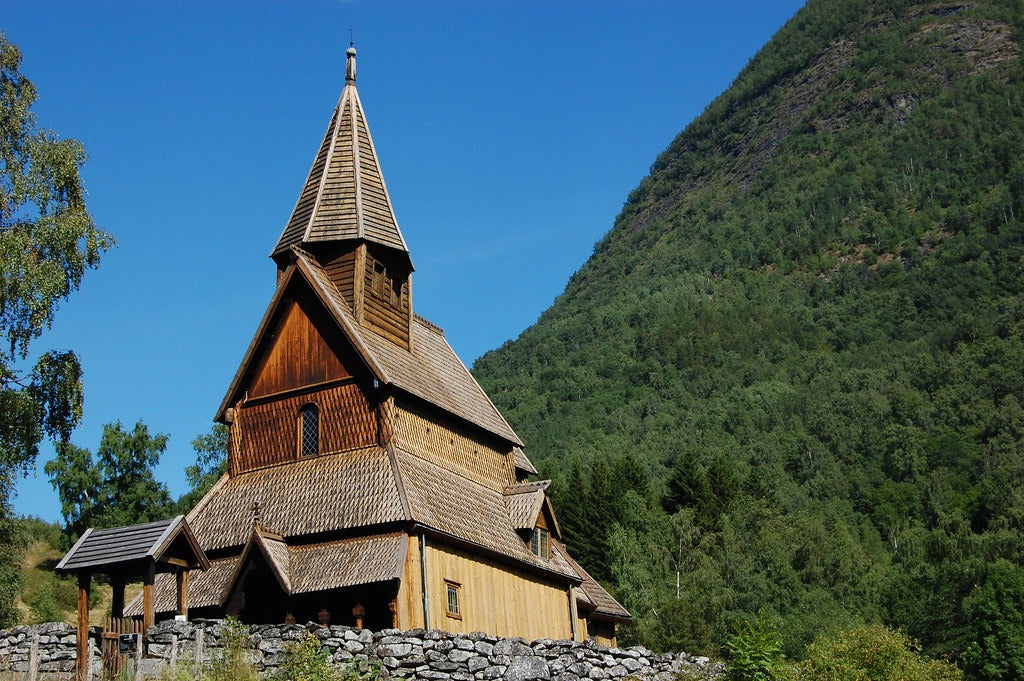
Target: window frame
(453, 588)
(308, 408)
(540, 543)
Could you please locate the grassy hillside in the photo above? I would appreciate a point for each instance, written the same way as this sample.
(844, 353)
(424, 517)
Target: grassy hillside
(790, 379)
(46, 597)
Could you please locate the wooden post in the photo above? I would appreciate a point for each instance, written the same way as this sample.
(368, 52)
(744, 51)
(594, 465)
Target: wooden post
(33, 658)
(138, 659)
(82, 652)
(117, 596)
(182, 592)
(200, 639)
(147, 595)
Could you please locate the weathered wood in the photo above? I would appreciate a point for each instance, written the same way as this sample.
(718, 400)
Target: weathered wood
(33, 658)
(307, 349)
(358, 282)
(386, 299)
(182, 587)
(82, 651)
(148, 577)
(452, 445)
(268, 431)
(493, 597)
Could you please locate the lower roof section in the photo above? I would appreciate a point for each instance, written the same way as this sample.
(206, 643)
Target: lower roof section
(313, 567)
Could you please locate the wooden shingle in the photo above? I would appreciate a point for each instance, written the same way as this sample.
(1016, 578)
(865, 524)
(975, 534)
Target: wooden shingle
(123, 547)
(344, 195)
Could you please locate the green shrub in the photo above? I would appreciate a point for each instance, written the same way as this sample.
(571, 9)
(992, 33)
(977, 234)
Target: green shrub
(755, 652)
(235, 664)
(873, 653)
(307, 660)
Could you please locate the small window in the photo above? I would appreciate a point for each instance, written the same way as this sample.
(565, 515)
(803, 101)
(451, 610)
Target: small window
(377, 284)
(453, 604)
(540, 543)
(309, 430)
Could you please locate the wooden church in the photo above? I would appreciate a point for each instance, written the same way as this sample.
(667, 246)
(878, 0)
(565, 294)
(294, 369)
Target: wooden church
(371, 481)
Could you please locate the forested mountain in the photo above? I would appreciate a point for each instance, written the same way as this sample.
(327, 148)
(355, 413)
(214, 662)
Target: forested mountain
(790, 378)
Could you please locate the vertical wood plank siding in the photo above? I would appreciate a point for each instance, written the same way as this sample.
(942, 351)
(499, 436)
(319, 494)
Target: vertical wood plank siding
(443, 442)
(494, 598)
(268, 432)
(301, 355)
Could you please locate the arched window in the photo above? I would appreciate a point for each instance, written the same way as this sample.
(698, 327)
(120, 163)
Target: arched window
(309, 430)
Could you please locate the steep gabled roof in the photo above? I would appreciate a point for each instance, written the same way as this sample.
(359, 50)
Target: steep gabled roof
(344, 196)
(430, 371)
(525, 502)
(122, 547)
(370, 487)
(343, 491)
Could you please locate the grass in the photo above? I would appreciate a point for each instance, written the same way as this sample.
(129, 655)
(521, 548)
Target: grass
(48, 597)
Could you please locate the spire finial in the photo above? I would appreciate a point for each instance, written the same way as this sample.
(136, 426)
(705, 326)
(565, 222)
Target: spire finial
(350, 64)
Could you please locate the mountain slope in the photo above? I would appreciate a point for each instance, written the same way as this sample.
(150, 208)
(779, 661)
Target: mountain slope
(791, 377)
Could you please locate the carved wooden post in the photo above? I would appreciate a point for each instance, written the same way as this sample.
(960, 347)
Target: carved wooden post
(82, 652)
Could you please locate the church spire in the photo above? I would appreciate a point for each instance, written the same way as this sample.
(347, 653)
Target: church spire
(344, 197)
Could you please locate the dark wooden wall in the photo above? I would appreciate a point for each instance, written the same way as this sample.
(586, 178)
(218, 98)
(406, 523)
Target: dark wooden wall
(268, 431)
(306, 349)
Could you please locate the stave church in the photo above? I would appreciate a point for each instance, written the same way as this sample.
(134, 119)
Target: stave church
(371, 482)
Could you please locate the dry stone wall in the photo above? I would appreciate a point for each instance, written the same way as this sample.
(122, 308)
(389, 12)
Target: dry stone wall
(46, 652)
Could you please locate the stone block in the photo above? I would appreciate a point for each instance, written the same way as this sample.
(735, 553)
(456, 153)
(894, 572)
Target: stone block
(617, 671)
(393, 649)
(527, 667)
(493, 672)
(476, 664)
(632, 665)
(460, 655)
(483, 647)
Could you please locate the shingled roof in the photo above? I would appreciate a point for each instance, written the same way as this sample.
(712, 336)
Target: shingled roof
(359, 488)
(344, 196)
(304, 569)
(524, 503)
(352, 489)
(124, 547)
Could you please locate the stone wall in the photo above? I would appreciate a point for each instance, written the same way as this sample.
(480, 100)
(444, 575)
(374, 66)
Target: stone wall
(46, 652)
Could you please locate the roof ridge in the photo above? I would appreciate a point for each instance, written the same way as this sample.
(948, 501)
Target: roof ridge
(431, 326)
(526, 487)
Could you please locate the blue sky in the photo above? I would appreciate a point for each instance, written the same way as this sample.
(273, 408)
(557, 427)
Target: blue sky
(509, 134)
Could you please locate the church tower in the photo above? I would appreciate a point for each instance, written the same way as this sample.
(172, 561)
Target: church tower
(345, 220)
